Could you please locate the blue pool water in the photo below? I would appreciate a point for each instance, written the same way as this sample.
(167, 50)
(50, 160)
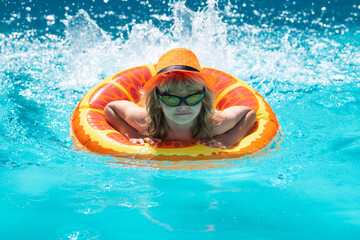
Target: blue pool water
(302, 56)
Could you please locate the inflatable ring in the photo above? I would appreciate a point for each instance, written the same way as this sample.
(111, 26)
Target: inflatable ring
(90, 131)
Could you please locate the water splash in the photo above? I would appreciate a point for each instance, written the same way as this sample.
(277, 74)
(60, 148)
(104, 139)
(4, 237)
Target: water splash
(44, 75)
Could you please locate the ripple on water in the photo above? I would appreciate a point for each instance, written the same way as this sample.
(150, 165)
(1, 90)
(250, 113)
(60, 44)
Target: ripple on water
(123, 202)
(81, 177)
(125, 184)
(110, 174)
(166, 174)
(71, 186)
(144, 192)
(38, 197)
(78, 232)
(81, 187)
(87, 204)
(90, 209)
(91, 189)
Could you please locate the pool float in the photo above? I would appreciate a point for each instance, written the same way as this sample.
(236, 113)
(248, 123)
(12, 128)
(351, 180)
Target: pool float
(91, 132)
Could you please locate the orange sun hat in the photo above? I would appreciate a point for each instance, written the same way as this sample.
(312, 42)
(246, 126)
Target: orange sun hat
(182, 60)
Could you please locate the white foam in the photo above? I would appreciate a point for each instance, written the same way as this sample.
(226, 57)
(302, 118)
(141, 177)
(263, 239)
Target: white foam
(87, 53)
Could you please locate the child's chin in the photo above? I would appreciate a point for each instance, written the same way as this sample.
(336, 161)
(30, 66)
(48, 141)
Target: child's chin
(184, 119)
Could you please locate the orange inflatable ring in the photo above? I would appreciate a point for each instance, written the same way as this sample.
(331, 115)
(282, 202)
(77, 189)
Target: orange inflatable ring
(91, 132)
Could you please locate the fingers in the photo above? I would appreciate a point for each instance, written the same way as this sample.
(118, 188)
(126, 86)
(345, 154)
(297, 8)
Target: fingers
(212, 143)
(142, 141)
(137, 141)
(152, 141)
(149, 140)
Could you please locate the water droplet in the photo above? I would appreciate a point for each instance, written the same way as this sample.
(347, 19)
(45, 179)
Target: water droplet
(78, 232)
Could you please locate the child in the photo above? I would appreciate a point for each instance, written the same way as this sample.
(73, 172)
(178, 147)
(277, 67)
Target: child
(179, 106)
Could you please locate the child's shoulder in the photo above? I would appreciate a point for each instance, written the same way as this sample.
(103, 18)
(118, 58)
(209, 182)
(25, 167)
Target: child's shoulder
(225, 120)
(132, 113)
(138, 116)
(217, 118)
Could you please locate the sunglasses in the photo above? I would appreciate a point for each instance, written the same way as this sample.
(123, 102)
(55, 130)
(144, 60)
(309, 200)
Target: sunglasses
(174, 101)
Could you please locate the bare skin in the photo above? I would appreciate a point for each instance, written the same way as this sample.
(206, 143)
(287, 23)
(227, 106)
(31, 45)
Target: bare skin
(238, 122)
(129, 118)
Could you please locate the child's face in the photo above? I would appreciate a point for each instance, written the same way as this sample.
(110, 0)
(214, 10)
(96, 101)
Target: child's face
(182, 114)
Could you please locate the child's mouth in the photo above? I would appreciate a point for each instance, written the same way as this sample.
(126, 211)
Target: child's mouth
(183, 113)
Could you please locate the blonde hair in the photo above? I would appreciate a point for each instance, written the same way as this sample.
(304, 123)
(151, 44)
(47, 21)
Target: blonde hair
(170, 82)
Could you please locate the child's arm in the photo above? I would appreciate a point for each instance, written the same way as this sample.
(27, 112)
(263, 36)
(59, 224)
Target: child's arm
(237, 123)
(129, 119)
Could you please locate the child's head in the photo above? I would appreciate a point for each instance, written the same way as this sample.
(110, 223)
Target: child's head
(178, 73)
(178, 60)
(170, 95)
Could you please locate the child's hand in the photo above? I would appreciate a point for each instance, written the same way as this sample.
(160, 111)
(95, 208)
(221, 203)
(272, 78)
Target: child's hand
(217, 142)
(143, 140)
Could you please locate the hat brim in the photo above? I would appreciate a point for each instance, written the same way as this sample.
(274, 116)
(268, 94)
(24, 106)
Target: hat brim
(208, 79)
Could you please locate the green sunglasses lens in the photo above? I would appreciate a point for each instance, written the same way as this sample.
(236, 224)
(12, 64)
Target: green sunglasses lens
(194, 99)
(174, 101)
(170, 100)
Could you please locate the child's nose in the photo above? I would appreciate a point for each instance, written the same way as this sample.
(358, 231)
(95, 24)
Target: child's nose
(183, 104)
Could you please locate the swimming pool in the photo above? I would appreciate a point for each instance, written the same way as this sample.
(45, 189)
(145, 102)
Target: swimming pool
(302, 56)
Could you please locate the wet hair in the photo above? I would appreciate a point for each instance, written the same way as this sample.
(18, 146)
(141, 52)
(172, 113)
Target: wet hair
(170, 82)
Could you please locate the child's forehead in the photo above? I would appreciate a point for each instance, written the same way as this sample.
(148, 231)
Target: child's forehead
(190, 89)
(180, 86)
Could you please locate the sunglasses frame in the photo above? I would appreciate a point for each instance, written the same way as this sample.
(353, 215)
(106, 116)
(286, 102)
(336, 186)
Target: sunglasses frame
(182, 99)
